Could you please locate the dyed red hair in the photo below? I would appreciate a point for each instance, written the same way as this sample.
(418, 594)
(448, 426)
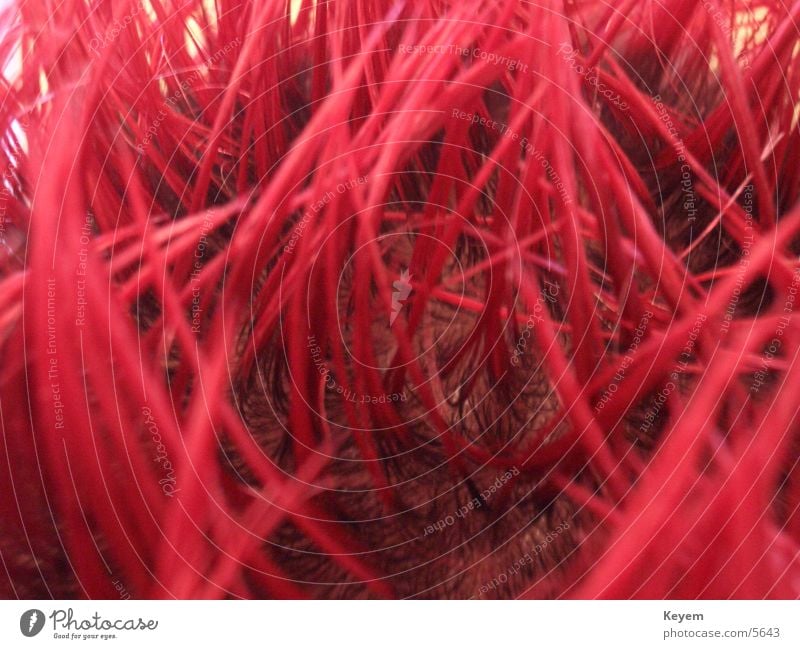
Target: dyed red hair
(195, 194)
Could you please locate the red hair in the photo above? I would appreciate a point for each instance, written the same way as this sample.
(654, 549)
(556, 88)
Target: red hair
(202, 201)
